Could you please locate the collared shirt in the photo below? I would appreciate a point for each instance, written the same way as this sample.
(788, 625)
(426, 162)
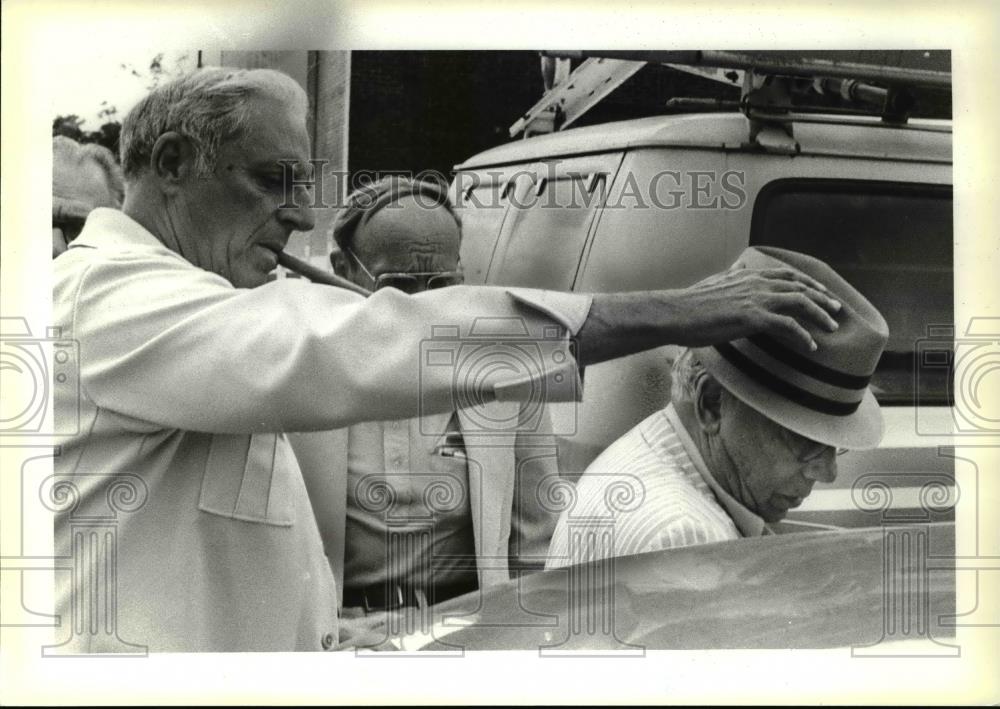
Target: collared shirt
(650, 490)
(409, 519)
(184, 502)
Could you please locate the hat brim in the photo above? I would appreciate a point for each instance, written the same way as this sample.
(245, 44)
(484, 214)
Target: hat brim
(858, 431)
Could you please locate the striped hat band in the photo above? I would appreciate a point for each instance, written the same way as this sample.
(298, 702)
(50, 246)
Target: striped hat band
(796, 377)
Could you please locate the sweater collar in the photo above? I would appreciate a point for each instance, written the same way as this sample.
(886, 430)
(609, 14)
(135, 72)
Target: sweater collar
(749, 523)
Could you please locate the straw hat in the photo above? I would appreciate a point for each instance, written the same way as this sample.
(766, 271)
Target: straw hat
(823, 395)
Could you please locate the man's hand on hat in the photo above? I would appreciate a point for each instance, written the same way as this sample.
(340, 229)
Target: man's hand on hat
(737, 303)
(781, 302)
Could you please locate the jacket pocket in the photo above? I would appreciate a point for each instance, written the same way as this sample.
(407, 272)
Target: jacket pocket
(247, 477)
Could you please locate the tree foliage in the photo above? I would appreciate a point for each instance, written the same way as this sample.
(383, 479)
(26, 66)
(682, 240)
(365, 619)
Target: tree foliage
(71, 127)
(108, 134)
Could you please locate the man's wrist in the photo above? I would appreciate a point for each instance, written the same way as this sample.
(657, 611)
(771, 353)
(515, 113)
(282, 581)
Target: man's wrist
(624, 323)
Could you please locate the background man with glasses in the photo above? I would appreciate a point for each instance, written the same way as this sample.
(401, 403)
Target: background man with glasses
(454, 515)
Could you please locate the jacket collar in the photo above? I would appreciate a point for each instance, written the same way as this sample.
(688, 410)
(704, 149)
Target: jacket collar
(113, 229)
(749, 524)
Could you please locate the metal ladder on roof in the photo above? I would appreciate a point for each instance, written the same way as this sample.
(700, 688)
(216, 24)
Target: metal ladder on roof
(767, 81)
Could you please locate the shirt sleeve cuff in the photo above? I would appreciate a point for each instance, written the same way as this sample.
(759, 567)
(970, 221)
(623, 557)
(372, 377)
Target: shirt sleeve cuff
(568, 309)
(557, 376)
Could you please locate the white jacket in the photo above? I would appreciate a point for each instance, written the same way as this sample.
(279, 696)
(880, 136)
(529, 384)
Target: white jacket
(184, 519)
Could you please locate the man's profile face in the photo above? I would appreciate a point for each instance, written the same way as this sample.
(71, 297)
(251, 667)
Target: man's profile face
(408, 236)
(230, 221)
(776, 468)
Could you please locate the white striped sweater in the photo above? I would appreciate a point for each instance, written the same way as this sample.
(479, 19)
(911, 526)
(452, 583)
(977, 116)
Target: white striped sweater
(649, 490)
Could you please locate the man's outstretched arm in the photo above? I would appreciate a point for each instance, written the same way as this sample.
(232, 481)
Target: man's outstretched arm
(782, 303)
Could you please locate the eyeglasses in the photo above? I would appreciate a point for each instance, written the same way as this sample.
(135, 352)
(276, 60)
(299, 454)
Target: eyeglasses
(411, 283)
(807, 450)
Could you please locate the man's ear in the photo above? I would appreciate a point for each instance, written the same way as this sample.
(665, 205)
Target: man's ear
(173, 159)
(708, 404)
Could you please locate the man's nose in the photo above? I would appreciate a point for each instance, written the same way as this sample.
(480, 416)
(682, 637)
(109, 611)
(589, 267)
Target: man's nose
(298, 213)
(822, 470)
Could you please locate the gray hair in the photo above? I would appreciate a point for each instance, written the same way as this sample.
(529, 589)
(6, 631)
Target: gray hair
(208, 107)
(685, 375)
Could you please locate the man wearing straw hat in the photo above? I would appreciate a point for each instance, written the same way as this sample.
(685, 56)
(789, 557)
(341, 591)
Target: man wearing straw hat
(751, 427)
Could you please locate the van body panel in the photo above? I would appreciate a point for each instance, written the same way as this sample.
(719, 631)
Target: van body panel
(549, 221)
(679, 208)
(481, 202)
(854, 136)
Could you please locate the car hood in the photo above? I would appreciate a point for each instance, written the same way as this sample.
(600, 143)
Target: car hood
(803, 590)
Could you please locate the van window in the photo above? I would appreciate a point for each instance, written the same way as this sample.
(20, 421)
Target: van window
(893, 242)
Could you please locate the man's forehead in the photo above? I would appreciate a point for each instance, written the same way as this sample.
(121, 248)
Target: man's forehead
(276, 132)
(411, 220)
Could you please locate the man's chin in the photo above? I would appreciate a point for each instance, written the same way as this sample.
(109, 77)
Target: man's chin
(773, 511)
(249, 278)
(773, 515)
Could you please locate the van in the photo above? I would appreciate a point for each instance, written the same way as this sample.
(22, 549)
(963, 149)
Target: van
(663, 202)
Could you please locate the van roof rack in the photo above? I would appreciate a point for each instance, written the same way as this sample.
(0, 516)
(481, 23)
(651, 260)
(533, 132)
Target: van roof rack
(772, 84)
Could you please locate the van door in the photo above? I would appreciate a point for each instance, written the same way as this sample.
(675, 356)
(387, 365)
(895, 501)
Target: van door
(481, 198)
(553, 204)
(664, 225)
